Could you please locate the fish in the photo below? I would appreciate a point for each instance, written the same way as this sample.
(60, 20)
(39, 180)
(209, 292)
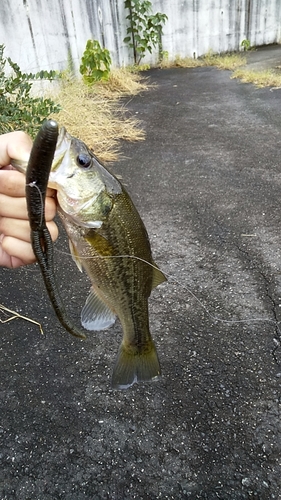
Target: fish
(108, 239)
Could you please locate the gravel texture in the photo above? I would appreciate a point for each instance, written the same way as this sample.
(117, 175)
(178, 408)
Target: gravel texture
(207, 183)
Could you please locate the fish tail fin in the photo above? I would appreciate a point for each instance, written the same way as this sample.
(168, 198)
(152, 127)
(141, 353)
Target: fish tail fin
(135, 366)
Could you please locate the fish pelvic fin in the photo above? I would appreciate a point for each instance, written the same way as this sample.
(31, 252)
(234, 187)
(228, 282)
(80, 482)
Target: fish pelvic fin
(95, 314)
(133, 366)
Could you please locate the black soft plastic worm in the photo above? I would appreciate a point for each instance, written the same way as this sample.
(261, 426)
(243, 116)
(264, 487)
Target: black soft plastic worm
(37, 175)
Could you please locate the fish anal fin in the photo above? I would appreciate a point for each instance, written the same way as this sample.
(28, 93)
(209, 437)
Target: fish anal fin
(75, 256)
(131, 367)
(95, 314)
(157, 277)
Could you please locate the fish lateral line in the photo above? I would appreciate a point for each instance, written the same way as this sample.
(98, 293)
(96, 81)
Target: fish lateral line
(129, 369)
(184, 287)
(170, 277)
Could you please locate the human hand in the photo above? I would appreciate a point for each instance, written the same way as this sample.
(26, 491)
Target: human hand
(15, 246)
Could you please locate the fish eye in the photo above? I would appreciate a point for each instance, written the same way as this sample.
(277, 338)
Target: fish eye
(84, 160)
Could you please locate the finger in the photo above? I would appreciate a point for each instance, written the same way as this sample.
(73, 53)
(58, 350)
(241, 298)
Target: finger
(50, 209)
(7, 261)
(15, 252)
(10, 262)
(51, 193)
(15, 145)
(20, 229)
(16, 228)
(18, 249)
(13, 183)
(15, 208)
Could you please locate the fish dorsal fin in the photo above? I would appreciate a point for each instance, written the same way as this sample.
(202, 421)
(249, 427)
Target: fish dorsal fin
(75, 256)
(95, 314)
(158, 277)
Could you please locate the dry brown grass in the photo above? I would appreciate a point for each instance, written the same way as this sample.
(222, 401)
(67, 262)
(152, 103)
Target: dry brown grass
(221, 61)
(14, 315)
(95, 114)
(224, 61)
(234, 62)
(181, 62)
(263, 78)
(121, 83)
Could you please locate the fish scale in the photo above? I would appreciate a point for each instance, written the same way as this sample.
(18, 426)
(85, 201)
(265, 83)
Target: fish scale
(109, 240)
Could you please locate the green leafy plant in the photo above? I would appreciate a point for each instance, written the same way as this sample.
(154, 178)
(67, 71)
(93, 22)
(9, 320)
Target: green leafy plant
(18, 109)
(246, 44)
(95, 63)
(145, 29)
(164, 59)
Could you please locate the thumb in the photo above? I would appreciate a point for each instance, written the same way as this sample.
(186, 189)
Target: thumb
(16, 145)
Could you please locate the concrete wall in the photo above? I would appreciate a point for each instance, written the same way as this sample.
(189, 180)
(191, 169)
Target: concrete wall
(42, 34)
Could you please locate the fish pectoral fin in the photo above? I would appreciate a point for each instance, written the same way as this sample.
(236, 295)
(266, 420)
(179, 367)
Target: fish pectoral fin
(95, 314)
(131, 367)
(75, 256)
(158, 277)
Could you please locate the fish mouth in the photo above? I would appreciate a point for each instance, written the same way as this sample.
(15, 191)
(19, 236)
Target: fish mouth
(63, 145)
(61, 136)
(63, 141)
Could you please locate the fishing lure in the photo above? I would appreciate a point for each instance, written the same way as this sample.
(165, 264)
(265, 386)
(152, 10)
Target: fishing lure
(37, 175)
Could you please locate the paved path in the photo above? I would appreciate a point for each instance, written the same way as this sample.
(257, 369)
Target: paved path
(207, 182)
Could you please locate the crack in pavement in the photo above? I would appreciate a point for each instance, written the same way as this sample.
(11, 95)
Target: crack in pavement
(277, 336)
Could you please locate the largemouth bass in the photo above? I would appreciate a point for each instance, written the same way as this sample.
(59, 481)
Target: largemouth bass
(109, 240)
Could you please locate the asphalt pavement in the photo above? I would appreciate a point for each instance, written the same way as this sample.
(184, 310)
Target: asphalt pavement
(207, 183)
